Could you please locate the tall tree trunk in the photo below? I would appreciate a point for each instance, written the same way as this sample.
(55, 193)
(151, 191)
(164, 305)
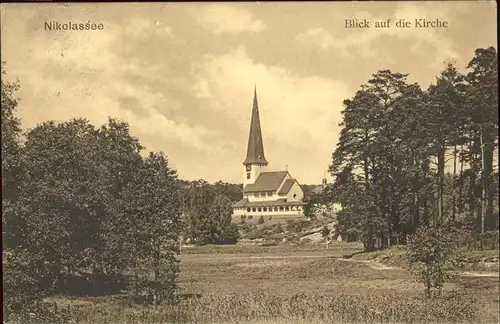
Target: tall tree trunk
(461, 183)
(440, 211)
(483, 183)
(136, 282)
(487, 154)
(365, 160)
(157, 290)
(453, 212)
(415, 207)
(472, 186)
(416, 210)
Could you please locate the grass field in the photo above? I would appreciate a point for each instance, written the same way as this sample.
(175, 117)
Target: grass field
(298, 284)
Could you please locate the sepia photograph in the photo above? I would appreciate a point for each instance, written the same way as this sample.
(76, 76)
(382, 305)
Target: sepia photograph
(315, 162)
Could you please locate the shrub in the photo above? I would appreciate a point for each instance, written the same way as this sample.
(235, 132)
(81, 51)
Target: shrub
(230, 235)
(261, 220)
(325, 231)
(25, 287)
(432, 254)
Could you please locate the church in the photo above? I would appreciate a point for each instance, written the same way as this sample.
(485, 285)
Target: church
(266, 193)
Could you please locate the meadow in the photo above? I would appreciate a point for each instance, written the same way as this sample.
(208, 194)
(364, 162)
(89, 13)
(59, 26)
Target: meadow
(298, 284)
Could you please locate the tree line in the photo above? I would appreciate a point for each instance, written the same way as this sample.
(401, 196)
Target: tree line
(409, 157)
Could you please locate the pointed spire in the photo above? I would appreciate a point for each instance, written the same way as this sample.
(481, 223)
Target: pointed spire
(255, 151)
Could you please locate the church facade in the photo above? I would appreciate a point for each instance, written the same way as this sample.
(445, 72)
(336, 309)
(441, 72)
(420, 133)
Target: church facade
(266, 193)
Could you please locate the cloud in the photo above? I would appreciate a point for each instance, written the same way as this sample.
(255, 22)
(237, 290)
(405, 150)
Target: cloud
(368, 42)
(222, 18)
(140, 26)
(319, 36)
(84, 75)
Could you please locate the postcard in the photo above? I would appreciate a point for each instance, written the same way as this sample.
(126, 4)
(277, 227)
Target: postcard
(250, 162)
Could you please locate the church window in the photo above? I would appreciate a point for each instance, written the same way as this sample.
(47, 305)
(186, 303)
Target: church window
(281, 208)
(287, 208)
(275, 208)
(259, 209)
(294, 195)
(248, 209)
(253, 209)
(265, 209)
(257, 194)
(248, 175)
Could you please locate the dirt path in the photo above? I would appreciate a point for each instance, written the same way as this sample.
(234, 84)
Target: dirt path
(380, 266)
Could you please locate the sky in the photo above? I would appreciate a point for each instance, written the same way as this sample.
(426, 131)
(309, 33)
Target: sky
(183, 74)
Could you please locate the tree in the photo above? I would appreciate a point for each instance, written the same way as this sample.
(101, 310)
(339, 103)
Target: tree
(219, 219)
(153, 228)
(446, 103)
(232, 191)
(208, 214)
(483, 78)
(325, 231)
(198, 197)
(71, 195)
(11, 146)
(375, 158)
(432, 255)
(11, 133)
(310, 201)
(58, 204)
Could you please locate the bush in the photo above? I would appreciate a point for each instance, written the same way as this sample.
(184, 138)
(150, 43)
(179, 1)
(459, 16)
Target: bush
(230, 235)
(261, 220)
(25, 287)
(325, 231)
(432, 254)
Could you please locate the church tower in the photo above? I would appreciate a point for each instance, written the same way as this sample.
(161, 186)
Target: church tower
(255, 162)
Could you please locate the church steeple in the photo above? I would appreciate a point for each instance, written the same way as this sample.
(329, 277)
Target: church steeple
(255, 151)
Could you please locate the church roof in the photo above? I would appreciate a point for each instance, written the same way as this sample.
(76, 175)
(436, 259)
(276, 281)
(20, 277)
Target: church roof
(255, 150)
(267, 181)
(280, 202)
(287, 186)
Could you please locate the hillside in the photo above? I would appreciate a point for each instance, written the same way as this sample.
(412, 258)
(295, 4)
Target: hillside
(275, 231)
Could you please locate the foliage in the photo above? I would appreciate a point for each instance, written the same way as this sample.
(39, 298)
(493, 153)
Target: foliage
(153, 226)
(432, 254)
(230, 235)
(208, 215)
(78, 196)
(261, 220)
(11, 133)
(390, 163)
(231, 190)
(325, 231)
